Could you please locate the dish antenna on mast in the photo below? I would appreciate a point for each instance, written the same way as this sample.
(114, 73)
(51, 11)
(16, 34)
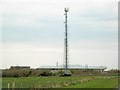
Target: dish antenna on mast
(66, 9)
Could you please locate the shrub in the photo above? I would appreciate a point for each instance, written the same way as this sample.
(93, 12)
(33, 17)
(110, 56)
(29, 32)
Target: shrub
(45, 73)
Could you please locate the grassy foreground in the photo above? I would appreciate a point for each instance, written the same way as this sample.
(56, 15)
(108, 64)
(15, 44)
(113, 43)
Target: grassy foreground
(99, 83)
(60, 82)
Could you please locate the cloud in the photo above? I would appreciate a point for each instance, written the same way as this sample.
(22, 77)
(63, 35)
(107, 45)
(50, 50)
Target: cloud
(46, 54)
(1, 56)
(33, 30)
(26, 13)
(25, 54)
(46, 18)
(0, 48)
(94, 53)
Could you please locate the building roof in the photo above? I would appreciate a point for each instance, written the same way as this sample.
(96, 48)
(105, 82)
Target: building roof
(20, 67)
(74, 67)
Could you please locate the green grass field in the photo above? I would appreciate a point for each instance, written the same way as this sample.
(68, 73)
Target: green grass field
(0, 83)
(61, 82)
(99, 83)
(37, 81)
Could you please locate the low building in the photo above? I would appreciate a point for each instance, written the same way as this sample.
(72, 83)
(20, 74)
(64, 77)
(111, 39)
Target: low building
(75, 67)
(20, 67)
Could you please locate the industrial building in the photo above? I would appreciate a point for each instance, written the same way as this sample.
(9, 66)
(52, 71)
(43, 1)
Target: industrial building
(74, 67)
(70, 67)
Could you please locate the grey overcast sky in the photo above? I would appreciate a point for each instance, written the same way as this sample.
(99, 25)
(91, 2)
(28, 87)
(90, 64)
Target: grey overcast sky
(33, 32)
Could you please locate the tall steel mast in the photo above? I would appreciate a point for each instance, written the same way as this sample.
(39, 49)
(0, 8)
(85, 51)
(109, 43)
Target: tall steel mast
(66, 41)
